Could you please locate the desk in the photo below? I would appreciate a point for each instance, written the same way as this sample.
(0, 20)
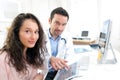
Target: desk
(82, 42)
(100, 71)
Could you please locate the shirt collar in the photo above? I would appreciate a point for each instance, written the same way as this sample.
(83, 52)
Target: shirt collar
(50, 36)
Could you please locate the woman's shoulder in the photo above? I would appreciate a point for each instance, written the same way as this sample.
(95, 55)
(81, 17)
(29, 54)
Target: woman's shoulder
(3, 55)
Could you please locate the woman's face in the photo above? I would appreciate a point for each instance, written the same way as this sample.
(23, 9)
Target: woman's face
(29, 33)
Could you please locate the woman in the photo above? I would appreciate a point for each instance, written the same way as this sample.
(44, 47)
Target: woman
(24, 50)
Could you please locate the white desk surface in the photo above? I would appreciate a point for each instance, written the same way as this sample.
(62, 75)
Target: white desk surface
(97, 71)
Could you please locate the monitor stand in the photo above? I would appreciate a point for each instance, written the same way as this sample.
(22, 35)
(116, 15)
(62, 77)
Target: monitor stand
(108, 61)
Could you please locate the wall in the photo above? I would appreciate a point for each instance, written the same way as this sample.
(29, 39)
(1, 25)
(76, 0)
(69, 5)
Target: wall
(84, 16)
(111, 9)
(8, 10)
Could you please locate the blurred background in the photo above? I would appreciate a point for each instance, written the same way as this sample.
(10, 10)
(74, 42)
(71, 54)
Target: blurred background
(85, 15)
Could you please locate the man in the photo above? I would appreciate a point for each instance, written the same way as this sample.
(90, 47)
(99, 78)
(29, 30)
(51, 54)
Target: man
(59, 42)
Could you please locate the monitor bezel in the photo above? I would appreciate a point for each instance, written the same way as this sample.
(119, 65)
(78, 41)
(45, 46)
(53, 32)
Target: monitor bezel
(105, 40)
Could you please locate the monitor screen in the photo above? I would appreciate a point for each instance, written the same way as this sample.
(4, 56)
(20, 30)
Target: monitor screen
(84, 34)
(104, 37)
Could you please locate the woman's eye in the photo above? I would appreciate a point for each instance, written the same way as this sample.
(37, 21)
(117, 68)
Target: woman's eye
(36, 32)
(27, 31)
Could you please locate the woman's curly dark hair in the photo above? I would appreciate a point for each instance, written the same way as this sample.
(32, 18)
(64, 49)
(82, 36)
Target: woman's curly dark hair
(14, 47)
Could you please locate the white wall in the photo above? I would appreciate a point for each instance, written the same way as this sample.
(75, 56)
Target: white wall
(42, 8)
(84, 16)
(8, 10)
(111, 9)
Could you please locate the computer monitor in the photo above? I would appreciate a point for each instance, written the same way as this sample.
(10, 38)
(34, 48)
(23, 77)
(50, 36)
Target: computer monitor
(104, 42)
(84, 34)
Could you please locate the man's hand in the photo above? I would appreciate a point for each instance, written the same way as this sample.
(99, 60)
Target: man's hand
(58, 63)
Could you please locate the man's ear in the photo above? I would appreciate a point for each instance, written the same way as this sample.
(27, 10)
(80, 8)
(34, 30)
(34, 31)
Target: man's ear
(49, 20)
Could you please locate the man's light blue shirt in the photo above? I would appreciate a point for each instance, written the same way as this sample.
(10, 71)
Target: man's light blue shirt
(54, 46)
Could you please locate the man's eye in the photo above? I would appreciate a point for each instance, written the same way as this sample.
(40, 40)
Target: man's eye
(64, 24)
(57, 23)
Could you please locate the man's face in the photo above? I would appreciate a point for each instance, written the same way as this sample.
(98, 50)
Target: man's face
(57, 24)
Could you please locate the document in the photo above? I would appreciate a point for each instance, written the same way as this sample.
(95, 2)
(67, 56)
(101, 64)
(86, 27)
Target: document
(65, 74)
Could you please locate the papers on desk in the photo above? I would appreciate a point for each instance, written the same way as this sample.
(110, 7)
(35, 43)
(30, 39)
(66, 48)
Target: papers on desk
(82, 48)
